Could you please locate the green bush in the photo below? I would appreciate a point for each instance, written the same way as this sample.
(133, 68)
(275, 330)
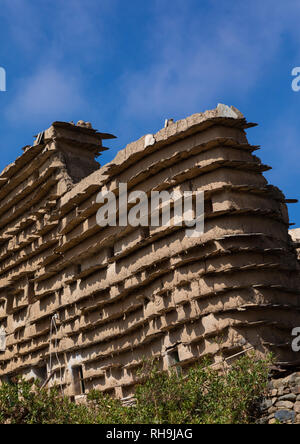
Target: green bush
(26, 403)
(201, 396)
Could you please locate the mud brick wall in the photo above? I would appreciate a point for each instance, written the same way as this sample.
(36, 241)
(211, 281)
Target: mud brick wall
(86, 303)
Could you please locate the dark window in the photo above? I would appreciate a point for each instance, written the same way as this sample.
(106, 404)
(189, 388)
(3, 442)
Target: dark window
(41, 373)
(111, 252)
(173, 360)
(208, 206)
(145, 232)
(30, 291)
(79, 386)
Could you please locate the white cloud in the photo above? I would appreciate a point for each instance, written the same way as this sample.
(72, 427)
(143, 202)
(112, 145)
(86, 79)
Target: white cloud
(56, 28)
(47, 94)
(23, 24)
(199, 57)
(61, 41)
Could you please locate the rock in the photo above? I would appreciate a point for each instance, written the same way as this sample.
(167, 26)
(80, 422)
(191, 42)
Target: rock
(289, 397)
(297, 407)
(285, 404)
(290, 379)
(266, 404)
(285, 416)
(168, 122)
(296, 390)
(277, 383)
(84, 124)
(272, 421)
(274, 393)
(149, 140)
(262, 421)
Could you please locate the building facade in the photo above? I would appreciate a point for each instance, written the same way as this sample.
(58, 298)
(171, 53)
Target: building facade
(81, 306)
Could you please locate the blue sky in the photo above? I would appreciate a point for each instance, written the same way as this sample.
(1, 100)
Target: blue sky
(127, 65)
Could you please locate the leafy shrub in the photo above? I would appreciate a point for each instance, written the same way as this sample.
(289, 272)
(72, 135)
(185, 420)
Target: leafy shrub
(26, 403)
(202, 396)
